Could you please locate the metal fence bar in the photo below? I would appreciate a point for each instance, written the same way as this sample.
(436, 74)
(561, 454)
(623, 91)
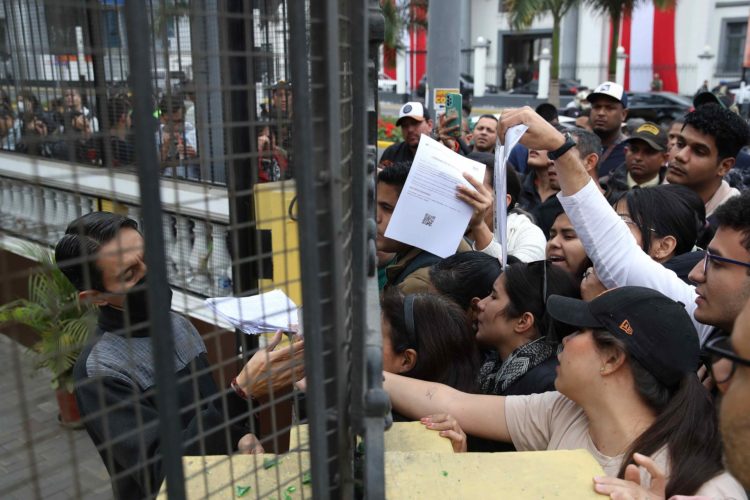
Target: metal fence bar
(158, 295)
(374, 400)
(306, 178)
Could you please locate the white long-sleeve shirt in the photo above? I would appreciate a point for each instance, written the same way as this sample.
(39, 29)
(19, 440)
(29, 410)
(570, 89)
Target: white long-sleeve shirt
(617, 258)
(525, 240)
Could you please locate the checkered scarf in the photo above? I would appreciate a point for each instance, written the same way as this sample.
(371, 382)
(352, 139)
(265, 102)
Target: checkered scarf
(495, 376)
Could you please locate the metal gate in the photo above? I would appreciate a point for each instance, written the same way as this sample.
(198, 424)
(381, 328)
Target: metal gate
(239, 135)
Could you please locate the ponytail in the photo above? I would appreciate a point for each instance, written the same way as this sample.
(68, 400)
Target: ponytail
(686, 424)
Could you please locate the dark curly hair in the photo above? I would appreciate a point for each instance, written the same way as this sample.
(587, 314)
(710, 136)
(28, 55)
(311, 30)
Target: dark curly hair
(735, 214)
(730, 131)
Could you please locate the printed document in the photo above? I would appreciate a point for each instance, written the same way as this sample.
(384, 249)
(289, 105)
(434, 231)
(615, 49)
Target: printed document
(502, 153)
(428, 215)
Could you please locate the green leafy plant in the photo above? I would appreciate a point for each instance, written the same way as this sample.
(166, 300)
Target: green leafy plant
(54, 312)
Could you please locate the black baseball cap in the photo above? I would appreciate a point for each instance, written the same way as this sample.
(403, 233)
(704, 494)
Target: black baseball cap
(707, 97)
(656, 330)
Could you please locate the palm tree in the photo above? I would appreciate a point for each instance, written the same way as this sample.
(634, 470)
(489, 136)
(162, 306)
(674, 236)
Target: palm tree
(616, 9)
(523, 12)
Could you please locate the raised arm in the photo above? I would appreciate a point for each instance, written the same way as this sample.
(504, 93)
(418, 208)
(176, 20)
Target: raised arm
(618, 259)
(477, 414)
(543, 136)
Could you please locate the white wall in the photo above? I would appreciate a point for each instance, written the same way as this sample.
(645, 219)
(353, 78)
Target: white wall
(486, 21)
(593, 35)
(697, 24)
(719, 14)
(691, 35)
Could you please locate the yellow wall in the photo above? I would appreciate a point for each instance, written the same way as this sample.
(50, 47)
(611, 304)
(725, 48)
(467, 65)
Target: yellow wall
(272, 201)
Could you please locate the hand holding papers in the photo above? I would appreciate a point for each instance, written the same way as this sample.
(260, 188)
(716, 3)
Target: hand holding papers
(502, 152)
(262, 313)
(428, 214)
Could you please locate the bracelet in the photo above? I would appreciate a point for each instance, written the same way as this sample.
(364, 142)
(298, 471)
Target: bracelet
(238, 390)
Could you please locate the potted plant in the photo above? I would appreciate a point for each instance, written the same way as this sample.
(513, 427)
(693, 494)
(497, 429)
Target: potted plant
(63, 325)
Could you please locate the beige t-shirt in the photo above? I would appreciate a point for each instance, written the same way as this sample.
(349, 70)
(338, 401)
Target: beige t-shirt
(550, 421)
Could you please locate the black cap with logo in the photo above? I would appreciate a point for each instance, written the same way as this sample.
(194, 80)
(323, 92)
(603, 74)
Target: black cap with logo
(656, 330)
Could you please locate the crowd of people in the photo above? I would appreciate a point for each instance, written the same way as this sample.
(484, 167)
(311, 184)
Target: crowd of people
(67, 128)
(616, 324)
(620, 323)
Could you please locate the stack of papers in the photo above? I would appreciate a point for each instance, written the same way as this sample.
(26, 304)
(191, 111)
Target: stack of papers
(258, 314)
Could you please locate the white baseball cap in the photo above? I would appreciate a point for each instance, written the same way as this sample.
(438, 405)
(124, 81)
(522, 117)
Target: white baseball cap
(413, 110)
(610, 89)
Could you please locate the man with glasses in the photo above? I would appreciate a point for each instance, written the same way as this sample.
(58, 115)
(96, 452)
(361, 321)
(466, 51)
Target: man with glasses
(722, 279)
(733, 378)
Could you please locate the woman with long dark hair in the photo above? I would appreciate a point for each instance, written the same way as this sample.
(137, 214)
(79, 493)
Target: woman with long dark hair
(626, 384)
(512, 321)
(427, 337)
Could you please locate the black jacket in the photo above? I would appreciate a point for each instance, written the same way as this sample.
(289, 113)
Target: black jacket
(115, 391)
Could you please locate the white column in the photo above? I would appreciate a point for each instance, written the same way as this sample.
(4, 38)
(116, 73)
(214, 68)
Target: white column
(27, 207)
(705, 67)
(72, 210)
(620, 66)
(480, 66)
(219, 263)
(61, 215)
(49, 210)
(18, 203)
(400, 72)
(197, 261)
(86, 203)
(6, 201)
(181, 249)
(545, 59)
(169, 244)
(37, 210)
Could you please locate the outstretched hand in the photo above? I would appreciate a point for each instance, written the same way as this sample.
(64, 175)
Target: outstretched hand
(448, 428)
(273, 370)
(630, 488)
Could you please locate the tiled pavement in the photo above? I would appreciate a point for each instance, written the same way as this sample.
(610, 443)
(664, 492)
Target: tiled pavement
(38, 457)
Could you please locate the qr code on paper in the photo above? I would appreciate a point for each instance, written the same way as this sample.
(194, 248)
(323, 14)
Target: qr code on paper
(428, 219)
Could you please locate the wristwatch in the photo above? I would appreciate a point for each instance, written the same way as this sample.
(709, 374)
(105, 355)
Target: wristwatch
(557, 153)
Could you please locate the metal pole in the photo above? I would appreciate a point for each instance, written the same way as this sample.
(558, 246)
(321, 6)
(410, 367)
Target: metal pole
(100, 79)
(204, 30)
(443, 48)
(302, 125)
(158, 298)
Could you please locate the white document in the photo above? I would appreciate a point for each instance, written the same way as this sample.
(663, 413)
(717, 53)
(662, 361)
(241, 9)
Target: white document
(428, 215)
(502, 153)
(266, 312)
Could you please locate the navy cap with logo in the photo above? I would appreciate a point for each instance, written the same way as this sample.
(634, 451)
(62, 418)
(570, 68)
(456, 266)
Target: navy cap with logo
(656, 330)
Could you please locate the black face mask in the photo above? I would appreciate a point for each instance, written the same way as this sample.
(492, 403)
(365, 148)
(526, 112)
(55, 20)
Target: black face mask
(135, 306)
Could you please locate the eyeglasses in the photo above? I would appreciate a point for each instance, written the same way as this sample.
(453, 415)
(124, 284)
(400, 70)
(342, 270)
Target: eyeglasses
(720, 348)
(630, 222)
(715, 258)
